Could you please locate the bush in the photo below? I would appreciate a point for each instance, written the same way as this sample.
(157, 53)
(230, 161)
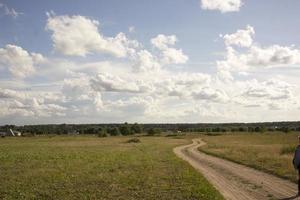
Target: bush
(125, 129)
(133, 140)
(102, 134)
(136, 128)
(153, 131)
(287, 150)
(115, 131)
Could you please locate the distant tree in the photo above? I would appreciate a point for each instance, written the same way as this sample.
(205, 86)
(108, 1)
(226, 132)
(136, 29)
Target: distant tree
(242, 129)
(217, 129)
(115, 131)
(208, 130)
(223, 130)
(286, 129)
(250, 129)
(263, 129)
(257, 129)
(125, 129)
(136, 128)
(234, 129)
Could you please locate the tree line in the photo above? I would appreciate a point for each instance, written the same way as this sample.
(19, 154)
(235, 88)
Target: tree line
(152, 129)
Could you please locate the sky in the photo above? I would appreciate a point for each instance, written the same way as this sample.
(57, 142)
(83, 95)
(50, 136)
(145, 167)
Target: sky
(171, 61)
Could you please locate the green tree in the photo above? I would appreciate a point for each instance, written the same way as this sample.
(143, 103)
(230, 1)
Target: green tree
(136, 128)
(153, 131)
(115, 131)
(125, 129)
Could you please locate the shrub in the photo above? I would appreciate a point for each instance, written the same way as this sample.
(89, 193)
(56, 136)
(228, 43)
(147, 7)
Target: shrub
(287, 150)
(153, 131)
(115, 131)
(133, 140)
(125, 129)
(102, 134)
(136, 128)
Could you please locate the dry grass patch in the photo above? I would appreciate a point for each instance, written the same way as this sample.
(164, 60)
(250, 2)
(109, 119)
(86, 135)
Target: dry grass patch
(271, 152)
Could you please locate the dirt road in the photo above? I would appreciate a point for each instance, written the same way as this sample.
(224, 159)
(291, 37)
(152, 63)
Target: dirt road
(234, 181)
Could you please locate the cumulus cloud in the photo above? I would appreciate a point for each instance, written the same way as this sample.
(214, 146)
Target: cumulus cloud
(222, 5)
(181, 85)
(24, 103)
(146, 62)
(162, 41)
(272, 94)
(111, 83)
(18, 61)
(169, 55)
(254, 56)
(264, 57)
(242, 38)
(8, 93)
(210, 94)
(78, 36)
(271, 89)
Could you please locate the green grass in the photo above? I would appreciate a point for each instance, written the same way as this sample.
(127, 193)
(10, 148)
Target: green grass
(87, 167)
(270, 152)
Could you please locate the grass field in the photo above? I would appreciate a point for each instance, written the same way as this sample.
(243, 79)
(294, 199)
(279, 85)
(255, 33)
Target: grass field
(88, 167)
(271, 152)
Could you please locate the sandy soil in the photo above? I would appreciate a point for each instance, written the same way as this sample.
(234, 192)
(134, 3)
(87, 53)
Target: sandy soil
(234, 181)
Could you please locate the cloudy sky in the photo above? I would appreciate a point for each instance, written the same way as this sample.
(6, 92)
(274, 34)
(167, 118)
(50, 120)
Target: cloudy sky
(98, 61)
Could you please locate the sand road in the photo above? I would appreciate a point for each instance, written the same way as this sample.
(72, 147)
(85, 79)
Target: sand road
(234, 181)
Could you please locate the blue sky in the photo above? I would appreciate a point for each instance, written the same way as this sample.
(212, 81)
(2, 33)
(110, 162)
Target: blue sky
(174, 61)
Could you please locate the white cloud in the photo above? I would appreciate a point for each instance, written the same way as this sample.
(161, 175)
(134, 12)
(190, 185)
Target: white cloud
(78, 36)
(272, 94)
(222, 5)
(162, 42)
(242, 38)
(111, 83)
(271, 89)
(181, 85)
(131, 29)
(29, 103)
(8, 93)
(263, 57)
(146, 62)
(9, 11)
(77, 88)
(210, 94)
(18, 61)
(173, 56)
(254, 56)
(169, 55)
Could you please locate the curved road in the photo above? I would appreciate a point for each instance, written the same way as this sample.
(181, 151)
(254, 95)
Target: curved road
(235, 181)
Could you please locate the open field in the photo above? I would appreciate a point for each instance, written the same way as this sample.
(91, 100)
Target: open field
(87, 167)
(271, 152)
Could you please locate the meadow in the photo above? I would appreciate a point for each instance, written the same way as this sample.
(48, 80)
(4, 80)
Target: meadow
(89, 167)
(271, 152)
